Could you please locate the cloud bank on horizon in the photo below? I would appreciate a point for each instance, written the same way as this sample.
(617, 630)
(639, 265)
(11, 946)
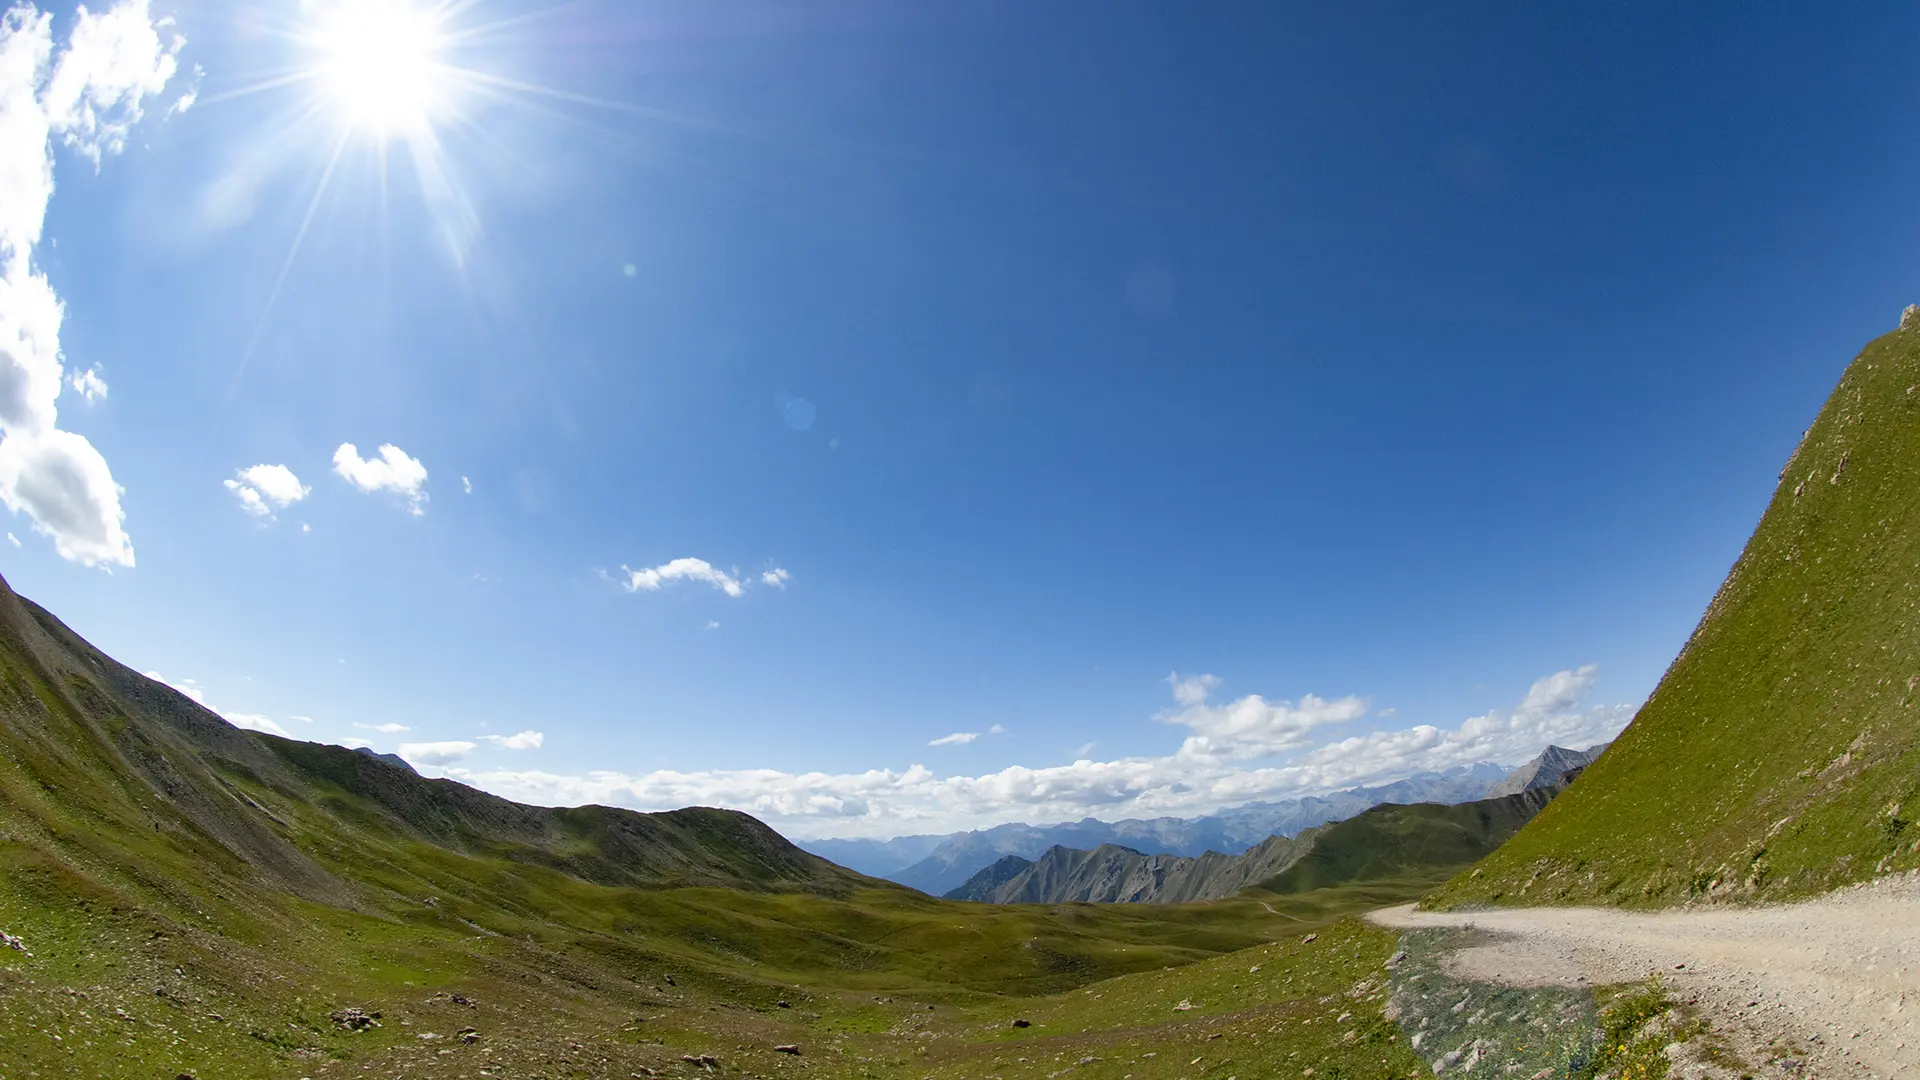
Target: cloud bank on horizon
(1229, 759)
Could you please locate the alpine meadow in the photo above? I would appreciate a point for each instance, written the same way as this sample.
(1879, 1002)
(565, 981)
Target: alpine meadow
(658, 540)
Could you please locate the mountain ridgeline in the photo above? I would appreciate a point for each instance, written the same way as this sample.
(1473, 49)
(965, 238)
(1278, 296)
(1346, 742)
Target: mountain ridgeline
(1381, 842)
(939, 864)
(1779, 756)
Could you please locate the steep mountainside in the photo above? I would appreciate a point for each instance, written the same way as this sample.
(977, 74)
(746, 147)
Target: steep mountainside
(1780, 754)
(1547, 770)
(197, 899)
(962, 855)
(981, 886)
(97, 743)
(1382, 842)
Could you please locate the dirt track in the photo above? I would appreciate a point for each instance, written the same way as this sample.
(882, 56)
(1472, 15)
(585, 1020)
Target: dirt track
(1839, 976)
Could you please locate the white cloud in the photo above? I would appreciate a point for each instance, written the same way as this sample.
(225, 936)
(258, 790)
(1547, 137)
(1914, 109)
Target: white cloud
(700, 570)
(958, 738)
(249, 721)
(302, 719)
(889, 802)
(384, 729)
(392, 471)
(1387, 713)
(712, 624)
(12, 539)
(1192, 689)
(525, 740)
(261, 488)
(466, 485)
(1252, 726)
(776, 577)
(435, 753)
(87, 93)
(255, 722)
(89, 384)
(996, 730)
(1085, 749)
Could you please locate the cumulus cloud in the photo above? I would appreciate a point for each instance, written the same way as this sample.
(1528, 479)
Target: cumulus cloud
(87, 94)
(261, 488)
(697, 570)
(525, 740)
(393, 470)
(1251, 726)
(435, 753)
(958, 738)
(89, 384)
(12, 539)
(466, 486)
(776, 577)
(384, 729)
(890, 802)
(996, 729)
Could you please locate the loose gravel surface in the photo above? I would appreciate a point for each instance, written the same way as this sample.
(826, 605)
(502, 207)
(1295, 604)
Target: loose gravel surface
(1830, 986)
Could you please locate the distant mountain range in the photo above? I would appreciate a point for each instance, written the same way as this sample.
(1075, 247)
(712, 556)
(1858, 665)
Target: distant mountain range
(938, 864)
(1382, 842)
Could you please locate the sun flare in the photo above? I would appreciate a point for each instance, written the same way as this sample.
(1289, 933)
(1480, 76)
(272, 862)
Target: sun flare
(380, 63)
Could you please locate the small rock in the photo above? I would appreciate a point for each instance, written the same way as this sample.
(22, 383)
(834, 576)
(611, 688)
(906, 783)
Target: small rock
(669, 980)
(1022, 1023)
(355, 1019)
(787, 1048)
(1310, 939)
(705, 1061)
(1254, 970)
(1183, 1006)
(1397, 959)
(784, 1004)
(1088, 1060)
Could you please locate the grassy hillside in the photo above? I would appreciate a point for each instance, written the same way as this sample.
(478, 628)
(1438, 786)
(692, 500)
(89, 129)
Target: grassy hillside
(195, 899)
(1780, 755)
(1389, 842)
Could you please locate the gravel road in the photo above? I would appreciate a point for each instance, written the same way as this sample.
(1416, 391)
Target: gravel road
(1838, 978)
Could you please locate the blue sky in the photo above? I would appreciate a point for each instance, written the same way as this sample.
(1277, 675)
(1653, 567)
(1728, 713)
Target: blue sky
(1191, 406)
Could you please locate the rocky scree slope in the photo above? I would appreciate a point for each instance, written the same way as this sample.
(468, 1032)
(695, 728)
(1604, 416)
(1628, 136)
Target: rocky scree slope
(1779, 757)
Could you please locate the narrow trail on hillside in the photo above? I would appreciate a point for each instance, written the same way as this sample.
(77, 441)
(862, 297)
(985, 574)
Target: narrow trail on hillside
(1838, 977)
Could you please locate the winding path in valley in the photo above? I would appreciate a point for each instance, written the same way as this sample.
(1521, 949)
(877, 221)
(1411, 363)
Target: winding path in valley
(1838, 976)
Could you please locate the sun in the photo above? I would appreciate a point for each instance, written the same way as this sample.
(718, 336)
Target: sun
(379, 62)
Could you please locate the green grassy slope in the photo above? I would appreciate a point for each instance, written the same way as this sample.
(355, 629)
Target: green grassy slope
(1780, 755)
(200, 900)
(1389, 841)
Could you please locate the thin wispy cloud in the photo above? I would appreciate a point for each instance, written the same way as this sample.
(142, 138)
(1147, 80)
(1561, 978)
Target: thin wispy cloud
(958, 738)
(525, 740)
(250, 721)
(384, 729)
